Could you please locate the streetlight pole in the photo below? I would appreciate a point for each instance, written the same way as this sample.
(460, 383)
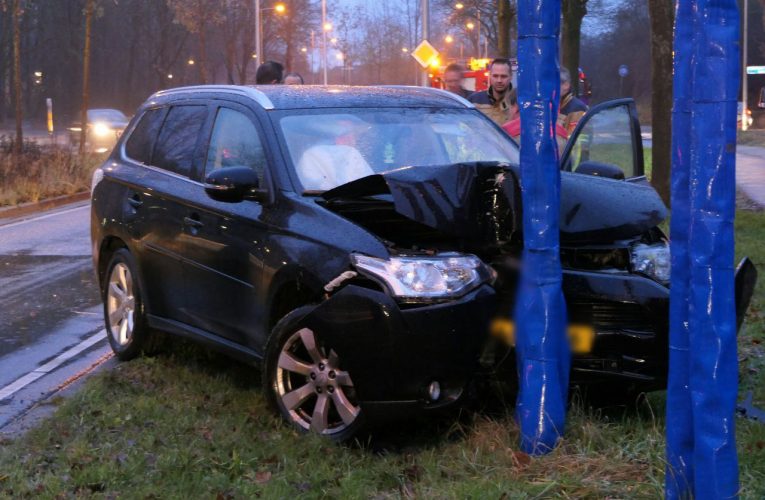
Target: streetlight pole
(478, 19)
(425, 6)
(744, 87)
(258, 39)
(324, 39)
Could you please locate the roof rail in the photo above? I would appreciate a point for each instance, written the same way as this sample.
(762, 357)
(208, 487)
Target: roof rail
(248, 91)
(442, 92)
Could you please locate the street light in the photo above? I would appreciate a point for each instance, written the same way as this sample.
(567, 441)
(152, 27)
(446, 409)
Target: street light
(448, 39)
(279, 8)
(470, 25)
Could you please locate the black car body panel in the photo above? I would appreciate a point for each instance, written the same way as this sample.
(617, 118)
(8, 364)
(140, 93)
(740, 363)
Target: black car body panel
(398, 352)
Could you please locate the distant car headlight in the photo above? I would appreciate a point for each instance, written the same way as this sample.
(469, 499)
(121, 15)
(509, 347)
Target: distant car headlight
(651, 260)
(442, 276)
(101, 130)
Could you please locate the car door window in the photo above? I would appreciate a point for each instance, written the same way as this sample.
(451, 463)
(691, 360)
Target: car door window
(606, 138)
(140, 144)
(178, 138)
(235, 143)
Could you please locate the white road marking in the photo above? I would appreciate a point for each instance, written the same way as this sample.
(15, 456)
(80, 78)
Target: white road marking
(46, 216)
(51, 365)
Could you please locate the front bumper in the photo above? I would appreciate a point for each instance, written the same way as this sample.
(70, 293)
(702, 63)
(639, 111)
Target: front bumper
(394, 352)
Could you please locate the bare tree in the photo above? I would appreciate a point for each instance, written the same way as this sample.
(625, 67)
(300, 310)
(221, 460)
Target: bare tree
(197, 16)
(89, 8)
(662, 17)
(573, 13)
(18, 144)
(505, 18)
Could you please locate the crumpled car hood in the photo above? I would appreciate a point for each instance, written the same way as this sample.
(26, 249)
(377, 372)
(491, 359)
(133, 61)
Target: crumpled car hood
(452, 199)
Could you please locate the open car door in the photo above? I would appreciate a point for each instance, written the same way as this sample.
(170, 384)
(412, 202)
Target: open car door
(607, 143)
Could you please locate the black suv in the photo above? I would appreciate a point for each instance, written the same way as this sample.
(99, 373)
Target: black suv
(362, 243)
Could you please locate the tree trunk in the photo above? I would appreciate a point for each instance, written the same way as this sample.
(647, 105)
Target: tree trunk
(202, 56)
(19, 143)
(89, 7)
(662, 19)
(504, 19)
(573, 13)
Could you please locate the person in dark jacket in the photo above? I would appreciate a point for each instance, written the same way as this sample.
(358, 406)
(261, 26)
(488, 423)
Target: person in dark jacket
(453, 77)
(269, 73)
(494, 101)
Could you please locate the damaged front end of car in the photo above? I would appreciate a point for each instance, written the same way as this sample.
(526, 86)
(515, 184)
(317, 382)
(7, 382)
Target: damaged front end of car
(455, 238)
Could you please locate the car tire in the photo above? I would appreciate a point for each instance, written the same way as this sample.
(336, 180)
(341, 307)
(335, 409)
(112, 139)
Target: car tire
(124, 312)
(306, 384)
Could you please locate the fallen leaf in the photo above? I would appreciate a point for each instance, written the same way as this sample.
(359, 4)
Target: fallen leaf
(413, 473)
(521, 459)
(263, 477)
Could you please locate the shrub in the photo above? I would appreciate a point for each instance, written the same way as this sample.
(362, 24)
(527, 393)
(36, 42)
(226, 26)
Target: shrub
(43, 172)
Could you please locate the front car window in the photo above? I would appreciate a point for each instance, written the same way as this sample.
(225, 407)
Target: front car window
(235, 143)
(606, 138)
(337, 146)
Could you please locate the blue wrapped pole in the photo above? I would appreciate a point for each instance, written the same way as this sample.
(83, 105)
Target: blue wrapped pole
(679, 469)
(542, 351)
(712, 318)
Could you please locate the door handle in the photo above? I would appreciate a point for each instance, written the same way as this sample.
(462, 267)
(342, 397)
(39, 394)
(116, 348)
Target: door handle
(192, 222)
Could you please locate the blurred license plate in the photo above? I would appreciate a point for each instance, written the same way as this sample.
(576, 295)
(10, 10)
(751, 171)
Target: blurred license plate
(580, 337)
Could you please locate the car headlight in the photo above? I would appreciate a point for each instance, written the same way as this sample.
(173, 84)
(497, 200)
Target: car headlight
(101, 129)
(651, 260)
(439, 277)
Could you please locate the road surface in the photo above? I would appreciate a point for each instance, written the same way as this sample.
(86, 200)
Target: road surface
(51, 327)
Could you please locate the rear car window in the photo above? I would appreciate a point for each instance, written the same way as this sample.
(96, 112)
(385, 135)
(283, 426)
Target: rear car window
(178, 139)
(140, 144)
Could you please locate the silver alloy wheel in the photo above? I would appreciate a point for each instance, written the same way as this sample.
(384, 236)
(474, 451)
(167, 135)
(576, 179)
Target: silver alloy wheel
(120, 304)
(312, 388)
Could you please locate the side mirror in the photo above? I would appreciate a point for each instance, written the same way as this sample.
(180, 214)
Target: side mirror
(599, 169)
(761, 100)
(234, 184)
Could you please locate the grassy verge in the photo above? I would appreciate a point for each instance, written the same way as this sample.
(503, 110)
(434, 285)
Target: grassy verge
(43, 173)
(751, 137)
(192, 424)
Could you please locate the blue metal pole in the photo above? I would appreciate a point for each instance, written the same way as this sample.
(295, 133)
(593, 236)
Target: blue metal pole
(679, 469)
(712, 318)
(542, 350)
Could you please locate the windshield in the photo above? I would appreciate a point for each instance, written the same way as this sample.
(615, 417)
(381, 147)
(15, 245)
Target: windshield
(334, 147)
(106, 115)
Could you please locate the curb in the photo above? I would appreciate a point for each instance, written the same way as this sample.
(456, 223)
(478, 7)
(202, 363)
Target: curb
(34, 207)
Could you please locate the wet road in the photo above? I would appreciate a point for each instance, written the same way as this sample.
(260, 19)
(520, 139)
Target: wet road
(50, 314)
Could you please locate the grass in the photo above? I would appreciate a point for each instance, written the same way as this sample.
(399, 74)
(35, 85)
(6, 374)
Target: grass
(189, 424)
(193, 424)
(43, 172)
(751, 137)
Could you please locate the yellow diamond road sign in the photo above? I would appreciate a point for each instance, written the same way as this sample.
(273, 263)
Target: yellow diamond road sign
(425, 53)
